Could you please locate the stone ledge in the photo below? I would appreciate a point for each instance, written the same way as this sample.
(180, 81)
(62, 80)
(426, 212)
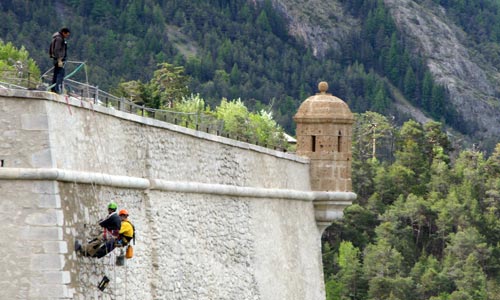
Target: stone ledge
(172, 186)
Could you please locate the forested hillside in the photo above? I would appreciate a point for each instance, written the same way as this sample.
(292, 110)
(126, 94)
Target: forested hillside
(424, 226)
(233, 49)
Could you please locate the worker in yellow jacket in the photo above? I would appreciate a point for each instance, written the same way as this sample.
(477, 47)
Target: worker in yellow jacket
(127, 230)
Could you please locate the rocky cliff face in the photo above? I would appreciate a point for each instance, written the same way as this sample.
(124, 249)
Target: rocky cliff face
(473, 85)
(322, 25)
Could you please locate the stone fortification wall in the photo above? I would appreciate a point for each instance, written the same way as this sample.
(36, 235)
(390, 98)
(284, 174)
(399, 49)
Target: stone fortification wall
(216, 218)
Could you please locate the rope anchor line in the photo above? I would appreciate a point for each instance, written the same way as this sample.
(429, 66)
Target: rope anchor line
(81, 65)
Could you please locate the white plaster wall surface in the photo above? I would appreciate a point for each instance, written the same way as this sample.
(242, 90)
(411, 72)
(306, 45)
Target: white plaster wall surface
(33, 249)
(190, 245)
(23, 133)
(287, 250)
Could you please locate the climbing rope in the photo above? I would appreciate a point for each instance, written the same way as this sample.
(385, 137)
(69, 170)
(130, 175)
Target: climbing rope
(97, 143)
(126, 280)
(98, 266)
(67, 76)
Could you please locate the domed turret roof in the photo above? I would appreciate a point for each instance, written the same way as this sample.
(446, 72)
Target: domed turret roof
(324, 107)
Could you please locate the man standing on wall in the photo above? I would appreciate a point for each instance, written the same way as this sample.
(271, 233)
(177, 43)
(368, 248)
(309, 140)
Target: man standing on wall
(58, 52)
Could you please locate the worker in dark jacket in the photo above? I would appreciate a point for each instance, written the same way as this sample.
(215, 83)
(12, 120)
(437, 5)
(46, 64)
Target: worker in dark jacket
(58, 52)
(104, 243)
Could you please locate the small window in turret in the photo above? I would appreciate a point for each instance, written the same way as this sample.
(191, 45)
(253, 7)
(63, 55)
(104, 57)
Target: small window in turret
(313, 143)
(339, 142)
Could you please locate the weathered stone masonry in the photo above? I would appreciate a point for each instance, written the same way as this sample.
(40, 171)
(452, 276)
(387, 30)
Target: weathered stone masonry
(216, 218)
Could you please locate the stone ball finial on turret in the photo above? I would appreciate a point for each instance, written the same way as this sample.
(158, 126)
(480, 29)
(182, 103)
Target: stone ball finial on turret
(323, 108)
(323, 87)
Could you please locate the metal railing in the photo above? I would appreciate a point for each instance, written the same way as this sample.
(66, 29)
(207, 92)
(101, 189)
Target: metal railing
(200, 121)
(17, 79)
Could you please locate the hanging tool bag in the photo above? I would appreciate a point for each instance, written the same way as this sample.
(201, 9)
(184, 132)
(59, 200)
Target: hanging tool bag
(130, 252)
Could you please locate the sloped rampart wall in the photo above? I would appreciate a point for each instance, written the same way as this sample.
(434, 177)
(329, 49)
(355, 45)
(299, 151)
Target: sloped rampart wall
(215, 218)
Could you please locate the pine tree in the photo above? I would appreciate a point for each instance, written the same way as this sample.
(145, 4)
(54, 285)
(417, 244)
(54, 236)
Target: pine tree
(426, 96)
(410, 85)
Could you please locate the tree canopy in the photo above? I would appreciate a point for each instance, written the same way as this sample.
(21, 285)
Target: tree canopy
(17, 67)
(426, 219)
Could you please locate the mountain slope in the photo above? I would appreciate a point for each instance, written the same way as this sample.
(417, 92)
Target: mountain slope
(321, 25)
(473, 87)
(445, 49)
(376, 55)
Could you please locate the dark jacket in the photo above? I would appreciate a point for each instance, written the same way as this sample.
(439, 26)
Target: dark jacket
(111, 222)
(58, 47)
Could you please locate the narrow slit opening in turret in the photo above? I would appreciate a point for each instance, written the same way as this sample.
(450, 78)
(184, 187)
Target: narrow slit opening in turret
(313, 143)
(339, 142)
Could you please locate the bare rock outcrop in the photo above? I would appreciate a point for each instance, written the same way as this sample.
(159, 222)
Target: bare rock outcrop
(470, 85)
(322, 25)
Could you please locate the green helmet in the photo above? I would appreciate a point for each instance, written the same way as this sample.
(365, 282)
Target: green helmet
(112, 205)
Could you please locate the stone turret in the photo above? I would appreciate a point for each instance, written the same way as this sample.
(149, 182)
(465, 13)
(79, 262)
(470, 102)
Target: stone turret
(324, 128)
